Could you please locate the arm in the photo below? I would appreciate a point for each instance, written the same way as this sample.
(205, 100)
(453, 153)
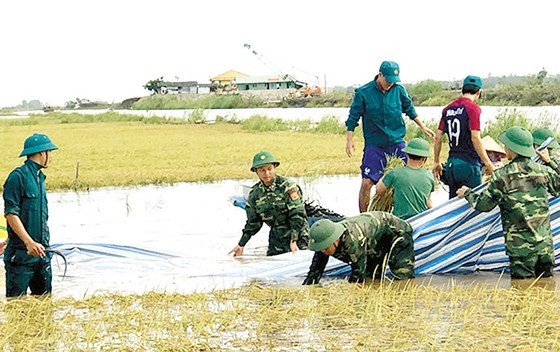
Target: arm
(33, 248)
(3, 245)
(380, 187)
(437, 170)
(545, 157)
(424, 129)
(350, 143)
(252, 226)
(316, 269)
(479, 147)
(13, 191)
(485, 201)
(297, 219)
(357, 110)
(429, 201)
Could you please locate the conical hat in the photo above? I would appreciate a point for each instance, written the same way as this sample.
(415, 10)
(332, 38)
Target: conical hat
(490, 145)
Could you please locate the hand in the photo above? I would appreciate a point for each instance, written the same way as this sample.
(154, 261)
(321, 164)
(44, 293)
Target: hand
(461, 191)
(35, 249)
(437, 170)
(429, 132)
(237, 251)
(349, 147)
(3, 245)
(543, 154)
(489, 169)
(293, 246)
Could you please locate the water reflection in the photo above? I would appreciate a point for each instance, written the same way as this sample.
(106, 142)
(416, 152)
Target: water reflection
(183, 233)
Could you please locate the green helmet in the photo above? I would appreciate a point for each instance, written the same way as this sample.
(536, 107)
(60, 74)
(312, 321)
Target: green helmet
(519, 140)
(263, 158)
(37, 143)
(541, 134)
(418, 146)
(323, 233)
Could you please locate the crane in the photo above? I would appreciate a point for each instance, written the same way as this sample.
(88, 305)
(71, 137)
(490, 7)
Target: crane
(274, 68)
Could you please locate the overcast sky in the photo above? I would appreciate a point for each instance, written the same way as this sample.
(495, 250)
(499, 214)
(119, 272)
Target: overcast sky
(58, 50)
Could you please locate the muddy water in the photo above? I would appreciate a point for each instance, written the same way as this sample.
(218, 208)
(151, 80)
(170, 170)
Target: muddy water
(176, 238)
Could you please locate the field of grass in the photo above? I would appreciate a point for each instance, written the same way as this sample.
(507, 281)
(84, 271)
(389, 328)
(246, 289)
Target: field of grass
(110, 152)
(114, 150)
(401, 316)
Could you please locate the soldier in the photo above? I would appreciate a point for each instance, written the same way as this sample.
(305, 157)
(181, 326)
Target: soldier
(26, 260)
(520, 190)
(412, 184)
(364, 241)
(275, 201)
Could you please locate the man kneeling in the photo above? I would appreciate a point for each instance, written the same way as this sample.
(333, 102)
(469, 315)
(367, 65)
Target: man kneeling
(364, 241)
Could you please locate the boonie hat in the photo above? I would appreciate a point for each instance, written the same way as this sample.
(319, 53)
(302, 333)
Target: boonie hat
(323, 233)
(541, 134)
(418, 146)
(37, 143)
(263, 158)
(390, 70)
(473, 80)
(519, 140)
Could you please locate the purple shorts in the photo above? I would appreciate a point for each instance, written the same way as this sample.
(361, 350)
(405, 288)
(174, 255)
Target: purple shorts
(375, 159)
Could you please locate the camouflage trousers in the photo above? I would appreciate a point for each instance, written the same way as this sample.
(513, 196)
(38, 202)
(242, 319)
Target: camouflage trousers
(278, 243)
(526, 262)
(399, 258)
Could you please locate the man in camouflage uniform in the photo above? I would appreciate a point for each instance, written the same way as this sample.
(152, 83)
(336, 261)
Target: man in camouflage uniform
(365, 241)
(521, 191)
(275, 201)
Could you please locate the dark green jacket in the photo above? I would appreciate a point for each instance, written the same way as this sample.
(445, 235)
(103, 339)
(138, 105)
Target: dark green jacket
(370, 240)
(25, 195)
(381, 113)
(280, 207)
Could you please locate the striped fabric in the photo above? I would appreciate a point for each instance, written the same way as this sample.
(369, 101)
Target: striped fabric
(454, 238)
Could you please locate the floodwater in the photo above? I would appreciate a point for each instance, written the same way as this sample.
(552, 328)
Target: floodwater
(176, 238)
(426, 113)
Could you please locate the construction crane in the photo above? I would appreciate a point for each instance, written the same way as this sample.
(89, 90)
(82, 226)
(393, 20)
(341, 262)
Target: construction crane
(284, 76)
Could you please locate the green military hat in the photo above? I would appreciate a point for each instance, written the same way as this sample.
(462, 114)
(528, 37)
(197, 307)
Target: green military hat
(263, 158)
(519, 140)
(541, 134)
(323, 233)
(418, 146)
(37, 143)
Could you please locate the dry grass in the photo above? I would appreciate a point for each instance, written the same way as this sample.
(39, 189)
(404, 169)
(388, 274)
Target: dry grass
(338, 317)
(134, 153)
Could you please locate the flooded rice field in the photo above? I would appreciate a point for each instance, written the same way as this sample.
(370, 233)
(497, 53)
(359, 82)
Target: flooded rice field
(176, 239)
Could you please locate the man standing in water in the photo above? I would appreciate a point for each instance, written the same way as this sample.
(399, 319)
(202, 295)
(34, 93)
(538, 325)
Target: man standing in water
(381, 104)
(26, 260)
(521, 190)
(460, 120)
(276, 201)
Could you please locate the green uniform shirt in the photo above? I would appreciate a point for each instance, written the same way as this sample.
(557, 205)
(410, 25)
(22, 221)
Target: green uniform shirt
(25, 195)
(412, 188)
(521, 189)
(367, 241)
(381, 113)
(280, 207)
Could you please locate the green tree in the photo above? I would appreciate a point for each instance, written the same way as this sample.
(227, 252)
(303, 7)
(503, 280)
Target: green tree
(154, 85)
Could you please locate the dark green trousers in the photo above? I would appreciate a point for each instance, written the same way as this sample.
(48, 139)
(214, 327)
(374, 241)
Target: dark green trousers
(24, 271)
